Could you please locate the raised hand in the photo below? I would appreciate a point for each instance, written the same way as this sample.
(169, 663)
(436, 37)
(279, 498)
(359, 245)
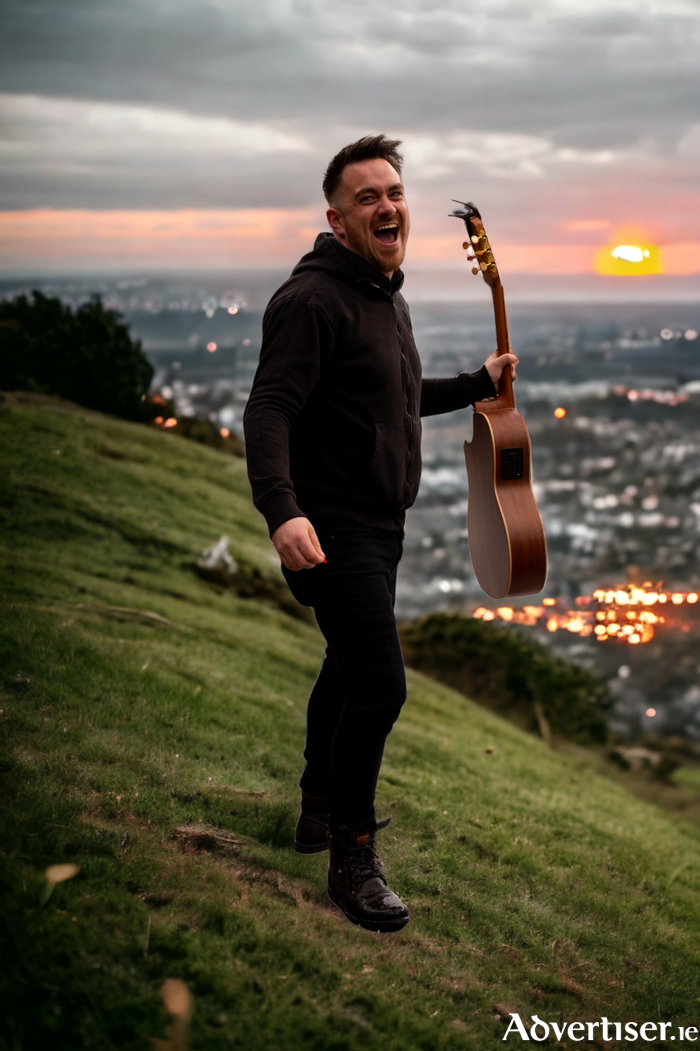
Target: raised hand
(496, 364)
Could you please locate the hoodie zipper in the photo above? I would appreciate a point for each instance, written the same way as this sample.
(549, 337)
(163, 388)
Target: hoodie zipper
(405, 377)
(409, 417)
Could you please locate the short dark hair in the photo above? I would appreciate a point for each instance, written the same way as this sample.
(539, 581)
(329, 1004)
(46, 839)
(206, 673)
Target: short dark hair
(369, 148)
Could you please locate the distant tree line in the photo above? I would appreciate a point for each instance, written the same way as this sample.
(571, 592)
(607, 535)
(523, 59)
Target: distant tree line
(86, 355)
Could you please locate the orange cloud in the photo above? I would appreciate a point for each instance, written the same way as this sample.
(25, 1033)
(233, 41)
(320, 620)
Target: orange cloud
(510, 258)
(54, 239)
(580, 226)
(188, 237)
(681, 259)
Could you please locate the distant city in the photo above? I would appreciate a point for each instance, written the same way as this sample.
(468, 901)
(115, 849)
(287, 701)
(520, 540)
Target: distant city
(611, 396)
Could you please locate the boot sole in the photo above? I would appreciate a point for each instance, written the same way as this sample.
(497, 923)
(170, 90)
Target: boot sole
(379, 926)
(308, 848)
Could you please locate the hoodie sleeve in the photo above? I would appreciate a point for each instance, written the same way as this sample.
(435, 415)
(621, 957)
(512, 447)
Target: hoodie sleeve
(297, 341)
(445, 395)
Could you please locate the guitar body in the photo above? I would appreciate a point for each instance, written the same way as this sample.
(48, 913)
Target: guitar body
(506, 536)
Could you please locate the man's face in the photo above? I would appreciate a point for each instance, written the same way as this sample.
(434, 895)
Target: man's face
(369, 214)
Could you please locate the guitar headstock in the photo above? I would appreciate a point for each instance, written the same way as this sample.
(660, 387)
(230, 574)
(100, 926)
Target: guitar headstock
(478, 242)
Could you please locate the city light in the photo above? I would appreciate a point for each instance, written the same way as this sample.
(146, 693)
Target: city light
(623, 613)
(211, 347)
(560, 413)
(662, 397)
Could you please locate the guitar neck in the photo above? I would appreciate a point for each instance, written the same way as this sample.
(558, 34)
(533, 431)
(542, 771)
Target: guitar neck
(506, 395)
(485, 264)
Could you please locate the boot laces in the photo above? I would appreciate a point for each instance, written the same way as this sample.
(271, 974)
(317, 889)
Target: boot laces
(365, 864)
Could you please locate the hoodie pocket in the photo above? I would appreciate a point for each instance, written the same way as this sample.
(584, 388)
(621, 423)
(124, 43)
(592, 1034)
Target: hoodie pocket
(383, 481)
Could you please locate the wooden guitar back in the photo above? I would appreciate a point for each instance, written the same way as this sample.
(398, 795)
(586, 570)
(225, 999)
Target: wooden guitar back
(506, 535)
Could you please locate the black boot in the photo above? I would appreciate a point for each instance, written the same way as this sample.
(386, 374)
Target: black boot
(311, 836)
(358, 886)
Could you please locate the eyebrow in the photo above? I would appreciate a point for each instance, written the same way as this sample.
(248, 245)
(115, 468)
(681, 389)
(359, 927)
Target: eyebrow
(373, 189)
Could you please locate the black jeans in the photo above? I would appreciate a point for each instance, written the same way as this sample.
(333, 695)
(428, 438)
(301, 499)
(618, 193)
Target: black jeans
(362, 684)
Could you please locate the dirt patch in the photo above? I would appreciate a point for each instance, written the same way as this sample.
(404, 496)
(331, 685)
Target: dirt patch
(197, 839)
(158, 900)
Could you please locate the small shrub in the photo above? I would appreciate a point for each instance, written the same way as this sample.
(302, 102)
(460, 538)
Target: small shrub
(505, 671)
(205, 432)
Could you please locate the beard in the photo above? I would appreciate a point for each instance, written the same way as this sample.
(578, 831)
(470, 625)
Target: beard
(382, 260)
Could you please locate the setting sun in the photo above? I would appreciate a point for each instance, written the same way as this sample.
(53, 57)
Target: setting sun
(629, 260)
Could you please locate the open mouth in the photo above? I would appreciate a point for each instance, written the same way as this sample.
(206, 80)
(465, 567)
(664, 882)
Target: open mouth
(388, 233)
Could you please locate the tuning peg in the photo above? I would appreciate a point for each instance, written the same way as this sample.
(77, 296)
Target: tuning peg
(466, 245)
(475, 269)
(475, 239)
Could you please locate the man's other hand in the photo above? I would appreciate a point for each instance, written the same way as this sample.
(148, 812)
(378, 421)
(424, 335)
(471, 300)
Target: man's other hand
(297, 544)
(496, 364)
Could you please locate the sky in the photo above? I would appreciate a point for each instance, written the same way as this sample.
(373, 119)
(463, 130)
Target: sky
(194, 134)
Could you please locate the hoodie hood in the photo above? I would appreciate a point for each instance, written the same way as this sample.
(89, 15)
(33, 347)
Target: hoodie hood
(330, 257)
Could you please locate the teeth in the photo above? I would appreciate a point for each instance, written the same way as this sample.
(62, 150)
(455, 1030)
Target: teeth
(388, 226)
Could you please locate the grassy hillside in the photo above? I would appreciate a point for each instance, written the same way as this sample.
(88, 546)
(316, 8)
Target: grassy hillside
(137, 699)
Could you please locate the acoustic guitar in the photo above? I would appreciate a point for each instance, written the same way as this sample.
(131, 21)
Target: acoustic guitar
(506, 535)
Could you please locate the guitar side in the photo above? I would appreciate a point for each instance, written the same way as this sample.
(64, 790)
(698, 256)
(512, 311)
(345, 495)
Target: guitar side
(506, 535)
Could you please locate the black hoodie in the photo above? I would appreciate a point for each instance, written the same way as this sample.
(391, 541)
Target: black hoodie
(332, 425)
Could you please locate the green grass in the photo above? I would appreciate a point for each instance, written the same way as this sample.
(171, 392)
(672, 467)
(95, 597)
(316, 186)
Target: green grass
(687, 777)
(137, 698)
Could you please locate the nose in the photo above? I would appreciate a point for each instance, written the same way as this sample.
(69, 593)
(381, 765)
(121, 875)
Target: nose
(386, 206)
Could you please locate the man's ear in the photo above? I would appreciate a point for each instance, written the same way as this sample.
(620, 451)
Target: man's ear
(335, 221)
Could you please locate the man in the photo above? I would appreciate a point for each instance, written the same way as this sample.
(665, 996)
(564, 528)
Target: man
(332, 432)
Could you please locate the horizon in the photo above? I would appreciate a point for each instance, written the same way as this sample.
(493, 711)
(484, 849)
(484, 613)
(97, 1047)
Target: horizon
(423, 285)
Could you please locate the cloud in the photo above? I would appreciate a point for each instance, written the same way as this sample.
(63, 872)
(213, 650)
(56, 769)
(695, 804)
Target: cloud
(518, 67)
(496, 154)
(543, 113)
(58, 152)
